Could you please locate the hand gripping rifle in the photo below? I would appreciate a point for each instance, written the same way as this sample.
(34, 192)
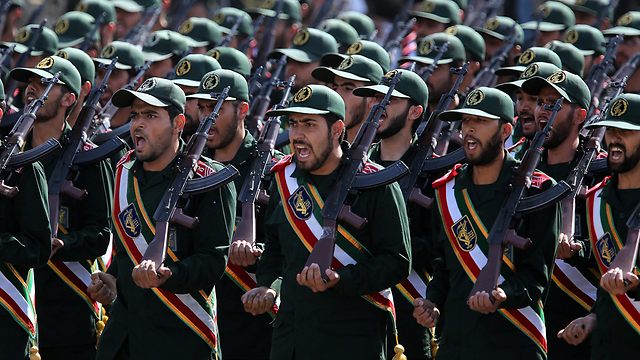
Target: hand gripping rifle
(11, 84)
(252, 190)
(428, 71)
(261, 103)
(350, 181)
(225, 40)
(67, 168)
(268, 41)
(598, 74)
(426, 142)
(138, 34)
(256, 26)
(183, 185)
(84, 46)
(503, 230)
(11, 157)
(98, 130)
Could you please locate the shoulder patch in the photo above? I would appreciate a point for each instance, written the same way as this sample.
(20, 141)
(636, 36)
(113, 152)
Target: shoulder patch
(125, 159)
(204, 170)
(538, 179)
(447, 177)
(286, 160)
(598, 186)
(18, 170)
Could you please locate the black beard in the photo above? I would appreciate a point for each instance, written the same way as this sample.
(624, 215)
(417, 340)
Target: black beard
(190, 125)
(628, 162)
(559, 134)
(357, 115)
(395, 124)
(322, 156)
(490, 153)
(226, 136)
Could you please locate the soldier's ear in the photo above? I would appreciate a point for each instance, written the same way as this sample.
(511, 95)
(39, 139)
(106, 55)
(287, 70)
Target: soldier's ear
(505, 131)
(178, 124)
(68, 99)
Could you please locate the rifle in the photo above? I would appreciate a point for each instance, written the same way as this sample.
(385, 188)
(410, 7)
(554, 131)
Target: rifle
(138, 34)
(268, 41)
(3, 15)
(502, 232)
(598, 73)
(350, 180)
(254, 83)
(12, 84)
(11, 156)
(373, 36)
(322, 13)
(172, 74)
(84, 46)
(426, 142)
(531, 42)
(181, 15)
(67, 168)
(428, 71)
(604, 12)
(183, 185)
(401, 25)
(225, 40)
(102, 123)
(626, 257)
(261, 102)
(252, 191)
(627, 69)
(256, 26)
(6, 56)
(488, 10)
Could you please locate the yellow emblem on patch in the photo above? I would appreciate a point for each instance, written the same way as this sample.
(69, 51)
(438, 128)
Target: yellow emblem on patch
(301, 38)
(267, 4)
(22, 36)
(186, 27)
(558, 77)
(571, 37)
(428, 6)
(580, 2)
(526, 57)
(62, 54)
(61, 26)
(391, 74)
(546, 9)
(465, 234)
(606, 249)
(210, 82)
(475, 98)
(303, 94)
(619, 107)
(625, 19)
(346, 63)
(300, 203)
(214, 54)
(354, 48)
(63, 217)
(82, 7)
(426, 47)
(492, 24)
(530, 71)
(451, 30)
(219, 18)
(45, 63)
(108, 52)
(183, 68)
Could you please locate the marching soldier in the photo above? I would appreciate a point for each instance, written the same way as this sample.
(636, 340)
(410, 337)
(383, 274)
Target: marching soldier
(474, 47)
(95, 8)
(73, 28)
(202, 32)
(556, 18)
(82, 62)
(366, 48)
(589, 41)
(495, 31)
(165, 48)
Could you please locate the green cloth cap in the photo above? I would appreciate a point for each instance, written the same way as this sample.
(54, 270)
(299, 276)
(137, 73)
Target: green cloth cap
(48, 67)
(215, 82)
(366, 48)
(471, 39)
(592, 7)
(622, 113)
(47, 42)
(95, 8)
(313, 100)
(163, 44)
(225, 18)
(500, 27)
(193, 67)
(201, 31)
(569, 85)
(571, 57)
(361, 22)
(129, 56)
(344, 33)
(73, 28)
(426, 53)
(586, 38)
(534, 54)
(483, 102)
(309, 45)
(628, 25)
(81, 61)
(541, 69)
(155, 92)
(231, 59)
(134, 6)
(291, 9)
(557, 16)
(353, 67)
(410, 86)
(442, 11)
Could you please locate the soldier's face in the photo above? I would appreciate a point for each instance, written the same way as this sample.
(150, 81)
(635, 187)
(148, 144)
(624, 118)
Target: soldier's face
(35, 89)
(563, 122)
(117, 80)
(526, 106)
(227, 124)
(355, 106)
(426, 27)
(302, 72)
(483, 139)
(152, 131)
(191, 113)
(394, 119)
(125, 21)
(439, 83)
(624, 149)
(313, 141)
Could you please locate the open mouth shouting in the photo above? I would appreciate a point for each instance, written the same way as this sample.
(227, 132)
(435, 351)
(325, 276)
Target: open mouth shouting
(140, 141)
(302, 150)
(470, 144)
(616, 152)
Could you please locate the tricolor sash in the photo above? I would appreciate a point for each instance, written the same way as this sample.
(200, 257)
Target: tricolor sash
(133, 227)
(17, 296)
(245, 280)
(577, 283)
(468, 237)
(303, 205)
(606, 243)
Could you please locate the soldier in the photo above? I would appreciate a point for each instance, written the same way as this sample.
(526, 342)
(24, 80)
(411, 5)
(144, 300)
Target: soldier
(589, 41)
(344, 33)
(474, 47)
(25, 244)
(435, 16)
(613, 321)
(165, 48)
(494, 32)
(169, 316)
(469, 199)
(629, 26)
(82, 62)
(571, 57)
(231, 59)
(73, 28)
(556, 18)
(529, 56)
(83, 226)
(202, 32)
(95, 8)
(317, 319)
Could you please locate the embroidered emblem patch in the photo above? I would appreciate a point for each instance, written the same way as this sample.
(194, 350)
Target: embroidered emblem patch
(22, 36)
(492, 24)
(619, 107)
(214, 54)
(61, 54)
(63, 217)
(303, 95)
(346, 63)
(606, 250)
(526, 57)
(426, 47)
(45, 63)
(465, 234)
(571, 37)
(61, 26)
(183, 68)
(186, 27)
(130, 221)
(108, 52)
(475, 98)
(530, 71)
(558, 77)
(301, 204)
(301, 38)
(428, 7)
(354, 48)
(451, 30)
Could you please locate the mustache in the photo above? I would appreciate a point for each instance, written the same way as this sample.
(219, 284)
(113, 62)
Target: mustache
(621, 146)
(526, 113)
(472, 138)
(300, 142)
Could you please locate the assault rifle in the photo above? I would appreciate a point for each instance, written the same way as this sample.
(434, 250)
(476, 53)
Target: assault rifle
(425, 144)
(605, 12)
(428, 71)
(138, 34)
(67, 168)
(598, 73)
(183, 185)
(626, 257)
(502, 232)
(254, 83)
(256, 26)
(84, 46)
(268, 41)
(531, 41)
(98, 132)
(252, 190)
(262, 101)
(225, 40)
(11, 156)
(350, 181)
(12, 84)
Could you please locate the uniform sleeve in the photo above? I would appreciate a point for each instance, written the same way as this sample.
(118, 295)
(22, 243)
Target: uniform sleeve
(91, 224)
(438, 287)
(272, 261)
(30, 244)
(205, 265)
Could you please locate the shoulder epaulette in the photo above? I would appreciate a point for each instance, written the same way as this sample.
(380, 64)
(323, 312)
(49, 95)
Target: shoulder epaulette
(126, 158)
(598, 186)
(286, 160)
(447, 177)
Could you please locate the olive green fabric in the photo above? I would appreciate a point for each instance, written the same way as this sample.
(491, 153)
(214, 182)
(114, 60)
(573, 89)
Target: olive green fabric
(471, 39)
(500, 27)
(541, 69)
(344, 33)
(354, 67)
(226, 17)
(214, 82)
(569, 85)
(74, 27)
(571, 57)
(622, 113)
(201, 31)
(309, 45)
(557, 16)
(426, 51)
(47, 42)
(443, 11)
(628, 25)
(361, 22)
(231, 59)
(96, 7)
(366, 48)
(483, 102)
(163, 44)
(291, 9)
(155, 92)
(314, 100)
(47, 68)
(531, 55)
(586, 38)
(410, 86)
(192, 68)
(81, 61)
(129, 56)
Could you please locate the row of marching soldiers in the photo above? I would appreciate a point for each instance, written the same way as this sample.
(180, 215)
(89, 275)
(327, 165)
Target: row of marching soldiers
(446, 190)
